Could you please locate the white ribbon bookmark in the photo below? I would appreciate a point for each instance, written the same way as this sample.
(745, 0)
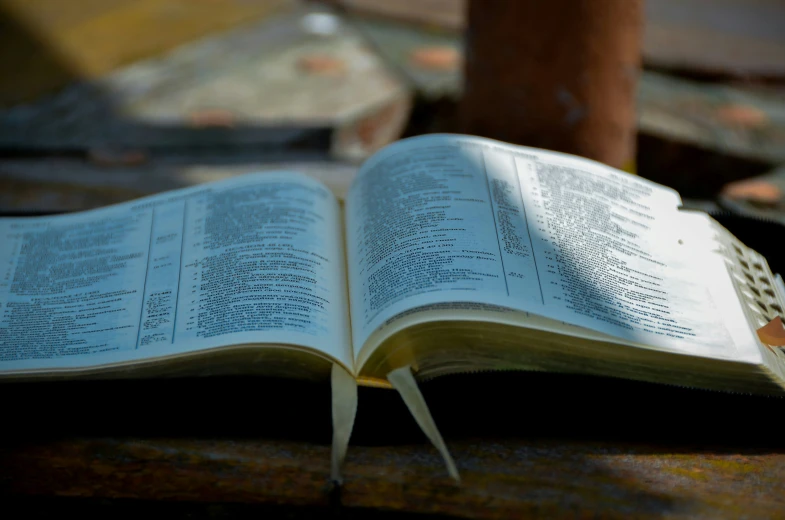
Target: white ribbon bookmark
(344, 395)
(403, 380)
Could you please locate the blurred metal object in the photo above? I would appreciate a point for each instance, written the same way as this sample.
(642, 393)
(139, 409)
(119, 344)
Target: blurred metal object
(559, 75)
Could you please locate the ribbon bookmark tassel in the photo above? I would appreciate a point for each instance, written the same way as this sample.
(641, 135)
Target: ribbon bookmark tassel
(403, 380)
(344, 397)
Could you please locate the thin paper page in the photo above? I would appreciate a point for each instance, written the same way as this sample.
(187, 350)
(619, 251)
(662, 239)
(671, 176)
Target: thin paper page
(251, 260)
(701, 237)
(442, 219)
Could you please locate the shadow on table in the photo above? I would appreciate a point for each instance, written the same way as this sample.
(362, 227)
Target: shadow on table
(529, 440)
(494, 405)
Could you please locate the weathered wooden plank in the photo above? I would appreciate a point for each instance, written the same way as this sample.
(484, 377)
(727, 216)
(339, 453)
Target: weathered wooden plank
(735, 120)
(731, 37)
(270, 83)
(47, 44)
(398, 43)
(561, 479)
(500, 478)
(553, 446)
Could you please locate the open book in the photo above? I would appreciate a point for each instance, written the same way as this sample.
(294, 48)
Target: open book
(449, 254)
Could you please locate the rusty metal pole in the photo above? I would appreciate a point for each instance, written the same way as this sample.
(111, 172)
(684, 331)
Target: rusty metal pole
(555, 74)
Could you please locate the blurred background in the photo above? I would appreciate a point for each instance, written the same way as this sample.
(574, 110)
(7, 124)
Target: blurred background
(107, 100)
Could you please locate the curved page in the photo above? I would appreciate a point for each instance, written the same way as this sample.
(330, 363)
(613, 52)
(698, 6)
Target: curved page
(257, 259)
(439, 219)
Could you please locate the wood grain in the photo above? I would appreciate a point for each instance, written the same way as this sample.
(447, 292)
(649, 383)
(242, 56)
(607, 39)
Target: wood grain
(500, 478)
(556, 447)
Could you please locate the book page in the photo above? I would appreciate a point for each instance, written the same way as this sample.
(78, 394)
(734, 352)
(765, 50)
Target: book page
(255, 259)
(440, 219)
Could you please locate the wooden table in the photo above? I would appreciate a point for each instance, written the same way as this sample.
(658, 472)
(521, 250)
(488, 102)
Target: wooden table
(526, 444)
